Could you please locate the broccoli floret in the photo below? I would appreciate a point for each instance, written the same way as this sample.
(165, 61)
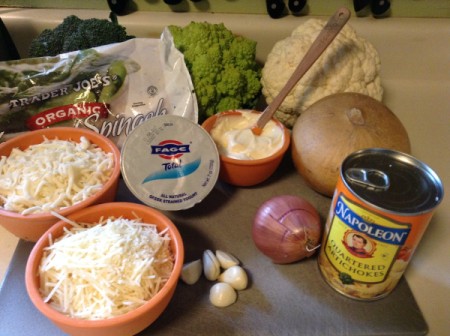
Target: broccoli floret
(77, 34)
(222, 65)
(94, 33)
(50, 41)
(46, 44)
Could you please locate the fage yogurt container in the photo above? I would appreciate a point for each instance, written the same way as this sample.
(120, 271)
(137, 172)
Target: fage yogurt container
(170, 163)
(380, 210)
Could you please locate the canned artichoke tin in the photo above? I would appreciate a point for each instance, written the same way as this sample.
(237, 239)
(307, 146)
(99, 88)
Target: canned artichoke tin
(380, 210)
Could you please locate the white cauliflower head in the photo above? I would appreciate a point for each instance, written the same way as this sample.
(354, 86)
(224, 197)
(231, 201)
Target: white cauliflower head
(349, 64)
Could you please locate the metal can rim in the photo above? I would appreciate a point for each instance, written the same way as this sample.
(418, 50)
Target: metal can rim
(405, 158)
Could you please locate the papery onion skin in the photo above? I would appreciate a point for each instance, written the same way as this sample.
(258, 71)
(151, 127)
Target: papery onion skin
(336, 126)
(287, 229)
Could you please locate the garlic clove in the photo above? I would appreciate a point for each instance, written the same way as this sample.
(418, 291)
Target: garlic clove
(211, 266)
(191, 272)
(226, 260)
(222, 295)
(235, 276)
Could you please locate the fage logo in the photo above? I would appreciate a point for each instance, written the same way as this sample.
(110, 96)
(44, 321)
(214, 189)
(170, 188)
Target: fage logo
(170, 149)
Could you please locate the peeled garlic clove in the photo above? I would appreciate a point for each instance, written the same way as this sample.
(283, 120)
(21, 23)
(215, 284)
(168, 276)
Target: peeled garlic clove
(222, 295)
(226, 260)
(211, 266)
(235, 276)
(191, 272)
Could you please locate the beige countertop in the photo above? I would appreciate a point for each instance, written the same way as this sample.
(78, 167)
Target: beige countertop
(415, 58)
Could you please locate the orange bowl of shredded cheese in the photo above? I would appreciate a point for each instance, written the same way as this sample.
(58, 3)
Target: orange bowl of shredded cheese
(54, 171)
(109, 269)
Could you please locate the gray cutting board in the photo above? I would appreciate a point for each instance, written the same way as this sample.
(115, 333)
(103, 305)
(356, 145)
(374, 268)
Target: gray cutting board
(280, 300)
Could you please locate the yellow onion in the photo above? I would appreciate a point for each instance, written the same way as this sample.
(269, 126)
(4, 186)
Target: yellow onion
(286, 229)
(336, 126)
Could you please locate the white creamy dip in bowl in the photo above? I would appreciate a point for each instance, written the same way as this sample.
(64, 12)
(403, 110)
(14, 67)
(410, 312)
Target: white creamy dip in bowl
(246, 159)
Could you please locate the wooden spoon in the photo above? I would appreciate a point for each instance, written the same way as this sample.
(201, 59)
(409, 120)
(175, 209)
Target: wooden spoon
(323, 40)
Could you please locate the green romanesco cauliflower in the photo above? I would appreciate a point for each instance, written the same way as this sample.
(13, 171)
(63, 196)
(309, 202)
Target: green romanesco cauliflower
(222, 65)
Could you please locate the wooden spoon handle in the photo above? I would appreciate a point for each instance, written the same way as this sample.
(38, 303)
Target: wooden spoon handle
(323, 40)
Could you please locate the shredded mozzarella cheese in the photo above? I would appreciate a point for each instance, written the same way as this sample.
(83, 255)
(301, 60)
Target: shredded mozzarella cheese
(106, 270)
(52, 175)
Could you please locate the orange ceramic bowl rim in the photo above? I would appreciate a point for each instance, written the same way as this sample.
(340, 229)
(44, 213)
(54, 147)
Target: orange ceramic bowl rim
(52, 133)
(32, 281)
(209, 123)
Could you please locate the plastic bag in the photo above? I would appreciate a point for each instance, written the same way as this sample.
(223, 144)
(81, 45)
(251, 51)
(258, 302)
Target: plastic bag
(109, 89)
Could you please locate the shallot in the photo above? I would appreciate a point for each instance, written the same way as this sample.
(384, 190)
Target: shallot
(287, 229)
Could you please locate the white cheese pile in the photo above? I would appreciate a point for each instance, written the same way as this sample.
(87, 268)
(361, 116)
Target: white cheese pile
(52, 175)
(105, 270)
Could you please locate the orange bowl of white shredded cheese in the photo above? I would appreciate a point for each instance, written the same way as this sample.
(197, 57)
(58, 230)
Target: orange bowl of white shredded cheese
(54, 171)
(109, 269)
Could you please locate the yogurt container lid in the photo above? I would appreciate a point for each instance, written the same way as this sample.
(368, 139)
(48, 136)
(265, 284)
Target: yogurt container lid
(170, 163)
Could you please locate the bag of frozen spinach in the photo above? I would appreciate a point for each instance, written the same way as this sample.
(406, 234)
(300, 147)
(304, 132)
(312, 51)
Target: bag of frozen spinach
(109, 89)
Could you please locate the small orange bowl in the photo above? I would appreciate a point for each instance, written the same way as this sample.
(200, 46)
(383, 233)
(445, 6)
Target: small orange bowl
(129, 323)
(245, 173)
(31, 227)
